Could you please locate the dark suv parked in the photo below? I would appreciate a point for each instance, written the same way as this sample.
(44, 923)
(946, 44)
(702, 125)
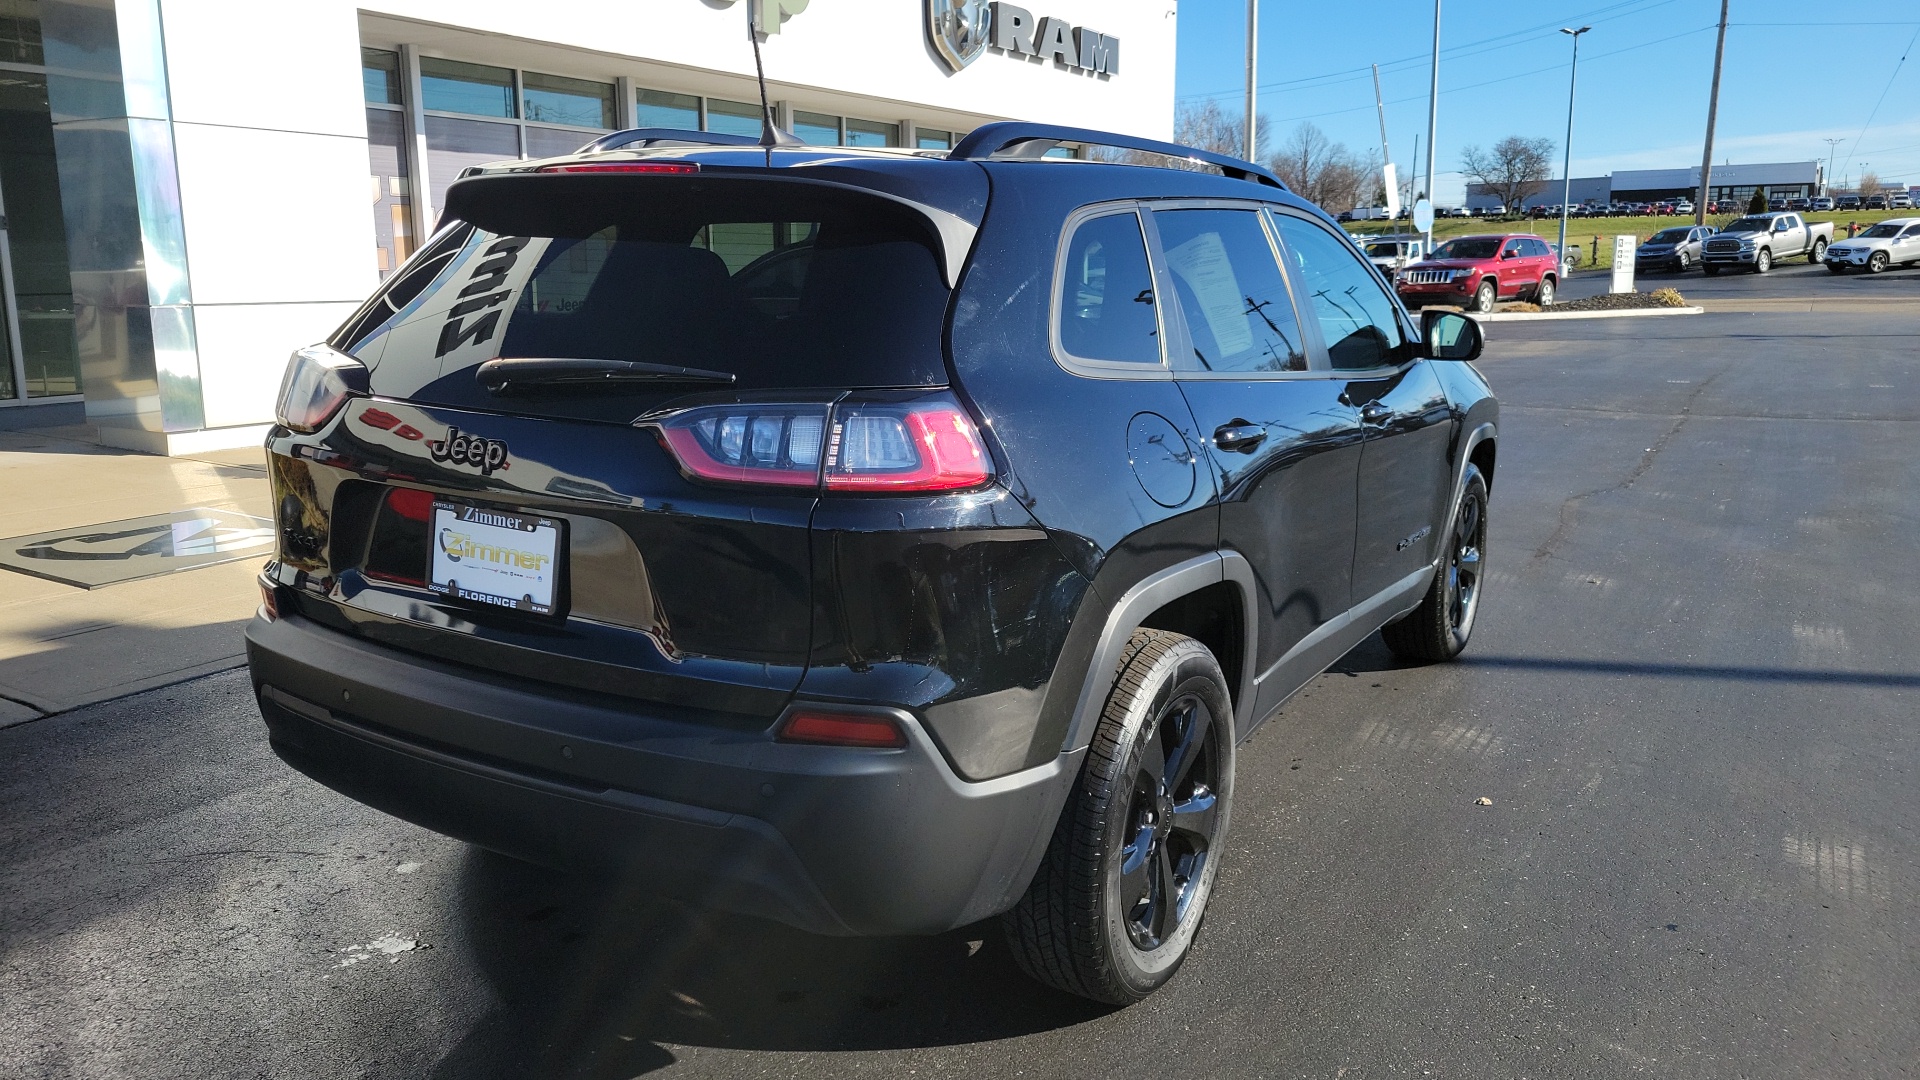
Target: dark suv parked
(872, 541)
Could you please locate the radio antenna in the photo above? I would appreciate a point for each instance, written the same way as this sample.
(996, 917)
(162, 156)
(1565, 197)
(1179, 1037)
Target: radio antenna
(770, 133)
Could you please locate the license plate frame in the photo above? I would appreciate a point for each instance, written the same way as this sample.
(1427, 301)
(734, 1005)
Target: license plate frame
(504, 551)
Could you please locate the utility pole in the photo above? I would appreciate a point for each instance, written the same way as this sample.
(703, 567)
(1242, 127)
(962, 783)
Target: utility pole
(1826, 178)
(1433, 111)
(1566, 170)
(1713, 112)
(1253, 66)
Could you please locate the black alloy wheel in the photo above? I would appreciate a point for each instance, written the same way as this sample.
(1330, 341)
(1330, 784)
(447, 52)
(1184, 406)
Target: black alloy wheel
(1114, 906)
(1440, 627)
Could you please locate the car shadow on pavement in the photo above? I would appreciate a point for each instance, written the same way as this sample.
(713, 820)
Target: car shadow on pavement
(592, 975)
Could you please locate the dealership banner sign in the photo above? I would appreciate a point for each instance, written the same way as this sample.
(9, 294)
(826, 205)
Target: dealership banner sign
(961, 30)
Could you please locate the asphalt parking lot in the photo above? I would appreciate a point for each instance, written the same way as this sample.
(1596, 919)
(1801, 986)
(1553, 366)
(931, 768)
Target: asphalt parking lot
(1690, 700)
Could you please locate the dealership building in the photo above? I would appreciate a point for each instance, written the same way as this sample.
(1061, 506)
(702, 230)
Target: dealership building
(1792, 179)
(191, 189)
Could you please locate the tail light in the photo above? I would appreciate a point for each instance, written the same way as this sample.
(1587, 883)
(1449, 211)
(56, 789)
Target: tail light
(926, 445)
(872, 730)
(318, 381)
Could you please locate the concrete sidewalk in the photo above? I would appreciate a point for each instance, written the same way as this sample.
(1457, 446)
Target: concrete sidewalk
(62, 646)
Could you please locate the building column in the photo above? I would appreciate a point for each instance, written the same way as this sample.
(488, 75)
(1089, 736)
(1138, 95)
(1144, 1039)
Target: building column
(120, 197)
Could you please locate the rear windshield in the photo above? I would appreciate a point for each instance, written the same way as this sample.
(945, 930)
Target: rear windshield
(1383, 250)
(780, 285)
(1481, 247)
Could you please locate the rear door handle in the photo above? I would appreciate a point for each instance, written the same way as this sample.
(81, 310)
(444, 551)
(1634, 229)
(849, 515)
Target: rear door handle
(1238, 435)
(1375, 413)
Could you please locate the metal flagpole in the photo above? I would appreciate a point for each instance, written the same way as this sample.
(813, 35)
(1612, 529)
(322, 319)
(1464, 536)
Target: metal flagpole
(1566, 170)
(1253, 66)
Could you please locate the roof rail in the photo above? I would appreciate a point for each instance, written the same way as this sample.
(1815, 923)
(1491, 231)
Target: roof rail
(647, 137)
(1018, 141)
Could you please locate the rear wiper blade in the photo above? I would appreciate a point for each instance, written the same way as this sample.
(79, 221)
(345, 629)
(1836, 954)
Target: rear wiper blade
(506, 373)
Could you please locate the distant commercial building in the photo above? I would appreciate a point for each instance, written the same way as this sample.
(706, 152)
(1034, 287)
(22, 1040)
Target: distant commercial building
(1730, 182)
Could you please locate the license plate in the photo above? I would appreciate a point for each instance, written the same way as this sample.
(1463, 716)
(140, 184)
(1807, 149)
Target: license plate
(506, 558)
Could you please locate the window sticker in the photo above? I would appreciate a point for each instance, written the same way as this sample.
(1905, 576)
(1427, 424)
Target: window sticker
(1203, 265)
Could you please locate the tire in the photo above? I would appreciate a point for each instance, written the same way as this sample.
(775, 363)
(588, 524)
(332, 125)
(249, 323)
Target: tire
(1762, 261)
(1682, 264)
(1819, 251)
(1088, 924)
(1836, 268)
(1543, 293)
(1710, 269)
(1877, 262)
(1485, 296)
(1439, 628)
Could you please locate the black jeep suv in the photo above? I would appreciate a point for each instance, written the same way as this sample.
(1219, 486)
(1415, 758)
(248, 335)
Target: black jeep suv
(872, 541)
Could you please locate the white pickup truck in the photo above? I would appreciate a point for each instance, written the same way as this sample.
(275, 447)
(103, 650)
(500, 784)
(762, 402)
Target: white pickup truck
(1757, 241)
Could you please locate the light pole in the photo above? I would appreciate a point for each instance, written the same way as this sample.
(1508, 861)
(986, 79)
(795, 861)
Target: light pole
(1826, 179)
(1566, 169)
(1433, 118)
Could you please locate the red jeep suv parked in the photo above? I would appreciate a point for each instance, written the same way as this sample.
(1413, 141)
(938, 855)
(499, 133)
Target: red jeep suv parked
(1477, 270)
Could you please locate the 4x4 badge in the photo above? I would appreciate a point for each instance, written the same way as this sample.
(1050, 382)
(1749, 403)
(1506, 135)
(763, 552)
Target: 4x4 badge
(481, 453)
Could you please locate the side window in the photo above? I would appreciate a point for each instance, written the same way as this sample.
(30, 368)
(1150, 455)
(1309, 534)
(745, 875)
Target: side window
(1536, 248)
(1357, 317)
(1239, 316)
(1106, 293)
(1910, 231)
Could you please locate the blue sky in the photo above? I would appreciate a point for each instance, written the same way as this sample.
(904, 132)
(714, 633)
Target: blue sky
(1796, 73)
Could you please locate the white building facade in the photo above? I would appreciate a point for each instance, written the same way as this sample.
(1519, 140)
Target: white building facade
(193, 188)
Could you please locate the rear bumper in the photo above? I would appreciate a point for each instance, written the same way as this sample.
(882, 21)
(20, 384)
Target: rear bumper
(830, 840)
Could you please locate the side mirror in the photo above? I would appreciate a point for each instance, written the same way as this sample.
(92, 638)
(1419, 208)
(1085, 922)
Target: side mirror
(1509, 254)
(1449, 335)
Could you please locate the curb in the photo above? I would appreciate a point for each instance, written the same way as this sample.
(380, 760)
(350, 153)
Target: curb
(1551, 316)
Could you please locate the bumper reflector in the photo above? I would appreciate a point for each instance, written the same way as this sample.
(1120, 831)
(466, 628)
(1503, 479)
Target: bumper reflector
(841, 729)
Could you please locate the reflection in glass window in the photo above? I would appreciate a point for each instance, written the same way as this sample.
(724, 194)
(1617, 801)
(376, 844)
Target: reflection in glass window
(816, 129)
(872, 133)
(36, 231)
(1106, 294)
(1239, 316)
(392, 193)
(20, 32)
(657, 108)
(556, 99)
(380, 76)
(1356, 315)
(475, 89)
(453, 145)
(733, 117)
(929, 139)
(553, 142)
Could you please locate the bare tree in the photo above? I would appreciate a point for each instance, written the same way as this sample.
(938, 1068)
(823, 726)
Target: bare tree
(1869, 184)
(1201, 125)
(1515, 169)
(1324, 172)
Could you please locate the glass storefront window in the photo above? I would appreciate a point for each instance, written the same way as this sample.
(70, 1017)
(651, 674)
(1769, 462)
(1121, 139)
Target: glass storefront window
(392, 189)
(474, 89)
(452, 145)
(36, 246)
(733, 117)
(657, 108)
(552, 142)
(817, 129)
(20, 32)
(872, 133)
(380, 76)
(556, 99)
(929, 139)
